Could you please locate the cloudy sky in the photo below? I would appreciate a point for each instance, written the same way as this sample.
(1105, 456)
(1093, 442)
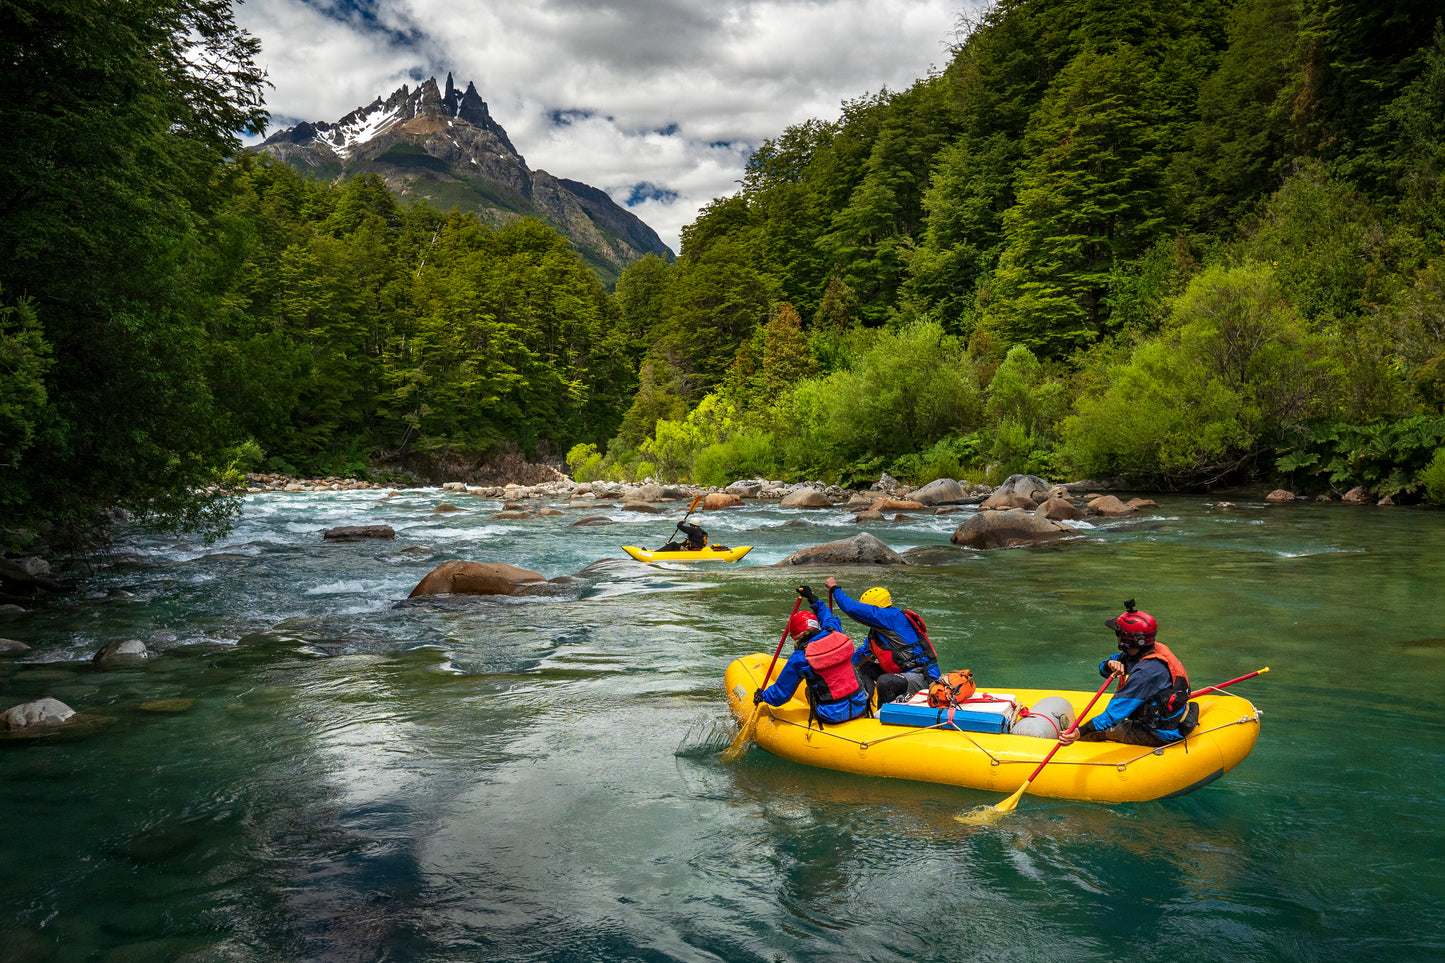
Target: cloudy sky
(657, 102)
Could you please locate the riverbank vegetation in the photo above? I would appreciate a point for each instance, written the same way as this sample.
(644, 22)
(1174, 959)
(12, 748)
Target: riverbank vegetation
(1192, 243)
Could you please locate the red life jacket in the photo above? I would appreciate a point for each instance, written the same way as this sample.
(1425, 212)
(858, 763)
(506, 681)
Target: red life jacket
(1172, 700)
(830, 657)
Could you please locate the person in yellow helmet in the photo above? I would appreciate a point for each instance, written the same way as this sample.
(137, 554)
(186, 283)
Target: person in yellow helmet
(899, 659)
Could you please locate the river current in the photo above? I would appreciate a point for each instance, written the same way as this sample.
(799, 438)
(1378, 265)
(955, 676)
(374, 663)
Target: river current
(313, 768)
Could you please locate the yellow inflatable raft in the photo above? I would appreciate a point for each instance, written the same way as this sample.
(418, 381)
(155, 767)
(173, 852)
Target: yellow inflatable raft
(1000, 762)
(711, 553)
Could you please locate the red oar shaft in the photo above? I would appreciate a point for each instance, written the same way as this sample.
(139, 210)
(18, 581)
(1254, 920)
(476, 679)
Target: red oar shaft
(1216, 688)
(1060, 745)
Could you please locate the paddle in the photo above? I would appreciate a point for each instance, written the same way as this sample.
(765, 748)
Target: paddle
(1216, 688)
(745, 734)
(984, 815)
(691, 507)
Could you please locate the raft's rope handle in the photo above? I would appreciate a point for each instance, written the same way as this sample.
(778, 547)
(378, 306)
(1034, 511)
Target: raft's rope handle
(865, 745)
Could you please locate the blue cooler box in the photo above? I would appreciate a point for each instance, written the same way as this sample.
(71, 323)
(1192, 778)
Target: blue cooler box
(982, 717)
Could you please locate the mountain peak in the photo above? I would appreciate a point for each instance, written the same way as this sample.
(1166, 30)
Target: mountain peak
(381, 116)
(436, 144)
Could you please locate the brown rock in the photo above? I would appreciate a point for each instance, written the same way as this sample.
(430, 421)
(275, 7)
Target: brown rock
(354, 533)
(512, 516)
(1059, 510)
(897, 505)
(1110, 506)
(475, 578)
(1279, 495)
(868, 515)
(716, 500)
(806, 498)
(989, 530)
(1357, 496)
(1002, 501)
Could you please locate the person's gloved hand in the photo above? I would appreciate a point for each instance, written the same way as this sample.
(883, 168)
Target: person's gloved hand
(757, 696)
(807, 594)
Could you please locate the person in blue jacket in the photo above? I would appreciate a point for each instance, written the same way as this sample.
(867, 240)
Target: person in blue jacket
(1152, 706)
(836, 692)
(898, 659)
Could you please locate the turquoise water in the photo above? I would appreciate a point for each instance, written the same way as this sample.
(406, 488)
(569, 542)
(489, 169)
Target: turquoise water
(538, 778)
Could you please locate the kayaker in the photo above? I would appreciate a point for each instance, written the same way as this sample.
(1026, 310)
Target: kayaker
(695, 539)
(898, 659)
(823, 660)
(1152, 706)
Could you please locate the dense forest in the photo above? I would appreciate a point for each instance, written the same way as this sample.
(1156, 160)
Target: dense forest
(1192, 243)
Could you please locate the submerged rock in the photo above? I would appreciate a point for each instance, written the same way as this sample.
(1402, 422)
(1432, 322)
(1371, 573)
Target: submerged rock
(475, 578)
(352, 533)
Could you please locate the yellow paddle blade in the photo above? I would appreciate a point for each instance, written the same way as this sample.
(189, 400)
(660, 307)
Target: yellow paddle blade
(988, 815)
(744, 736)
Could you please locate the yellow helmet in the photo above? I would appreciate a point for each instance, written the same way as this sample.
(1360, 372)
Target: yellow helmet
(877, 596)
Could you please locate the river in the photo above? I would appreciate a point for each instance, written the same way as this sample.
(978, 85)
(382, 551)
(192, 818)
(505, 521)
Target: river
(363, 778)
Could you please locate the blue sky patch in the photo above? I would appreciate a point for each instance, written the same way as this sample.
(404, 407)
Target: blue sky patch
(648, 191)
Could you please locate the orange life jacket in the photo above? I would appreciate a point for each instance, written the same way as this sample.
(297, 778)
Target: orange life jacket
(1173, 700)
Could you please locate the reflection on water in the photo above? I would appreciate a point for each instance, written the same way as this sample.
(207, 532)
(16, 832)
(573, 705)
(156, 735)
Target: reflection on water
(315, 768)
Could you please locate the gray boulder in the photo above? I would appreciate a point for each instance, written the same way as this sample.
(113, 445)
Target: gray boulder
(942, 491)
(41, 712)
(126, 652)
(989, 530)
(1029, 486)
(10, 647)
(862, 549)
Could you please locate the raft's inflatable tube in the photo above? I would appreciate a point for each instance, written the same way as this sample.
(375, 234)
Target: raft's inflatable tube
(1000, 762)
(712, 553)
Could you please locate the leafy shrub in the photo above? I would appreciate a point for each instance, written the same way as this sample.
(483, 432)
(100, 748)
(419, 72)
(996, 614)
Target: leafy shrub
(1433, 478)
(748, 454)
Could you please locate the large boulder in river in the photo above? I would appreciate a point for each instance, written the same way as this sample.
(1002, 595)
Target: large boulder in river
(475, 578)
(717, 500)
(12, 647)
(806, 498)
(1058, 509)
(40, 713)
(990, 530)
(1110, 506)
(863, 549)
(114, 655)
(942, 491)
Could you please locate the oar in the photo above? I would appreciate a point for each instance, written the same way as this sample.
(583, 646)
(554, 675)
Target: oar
(983, 815)
(1216, 688)
(745, 734)
(691, 507)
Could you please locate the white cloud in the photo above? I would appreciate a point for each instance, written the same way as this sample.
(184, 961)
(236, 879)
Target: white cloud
(672, 93)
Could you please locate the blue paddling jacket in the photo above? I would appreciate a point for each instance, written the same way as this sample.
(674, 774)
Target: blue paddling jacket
(891, 634)
(797, 671)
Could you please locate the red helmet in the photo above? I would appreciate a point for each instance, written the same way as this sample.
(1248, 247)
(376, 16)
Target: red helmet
(1133, 627)
(803, 623)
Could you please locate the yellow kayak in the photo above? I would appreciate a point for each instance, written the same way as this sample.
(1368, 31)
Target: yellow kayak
(997, 761)
(711, 553)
